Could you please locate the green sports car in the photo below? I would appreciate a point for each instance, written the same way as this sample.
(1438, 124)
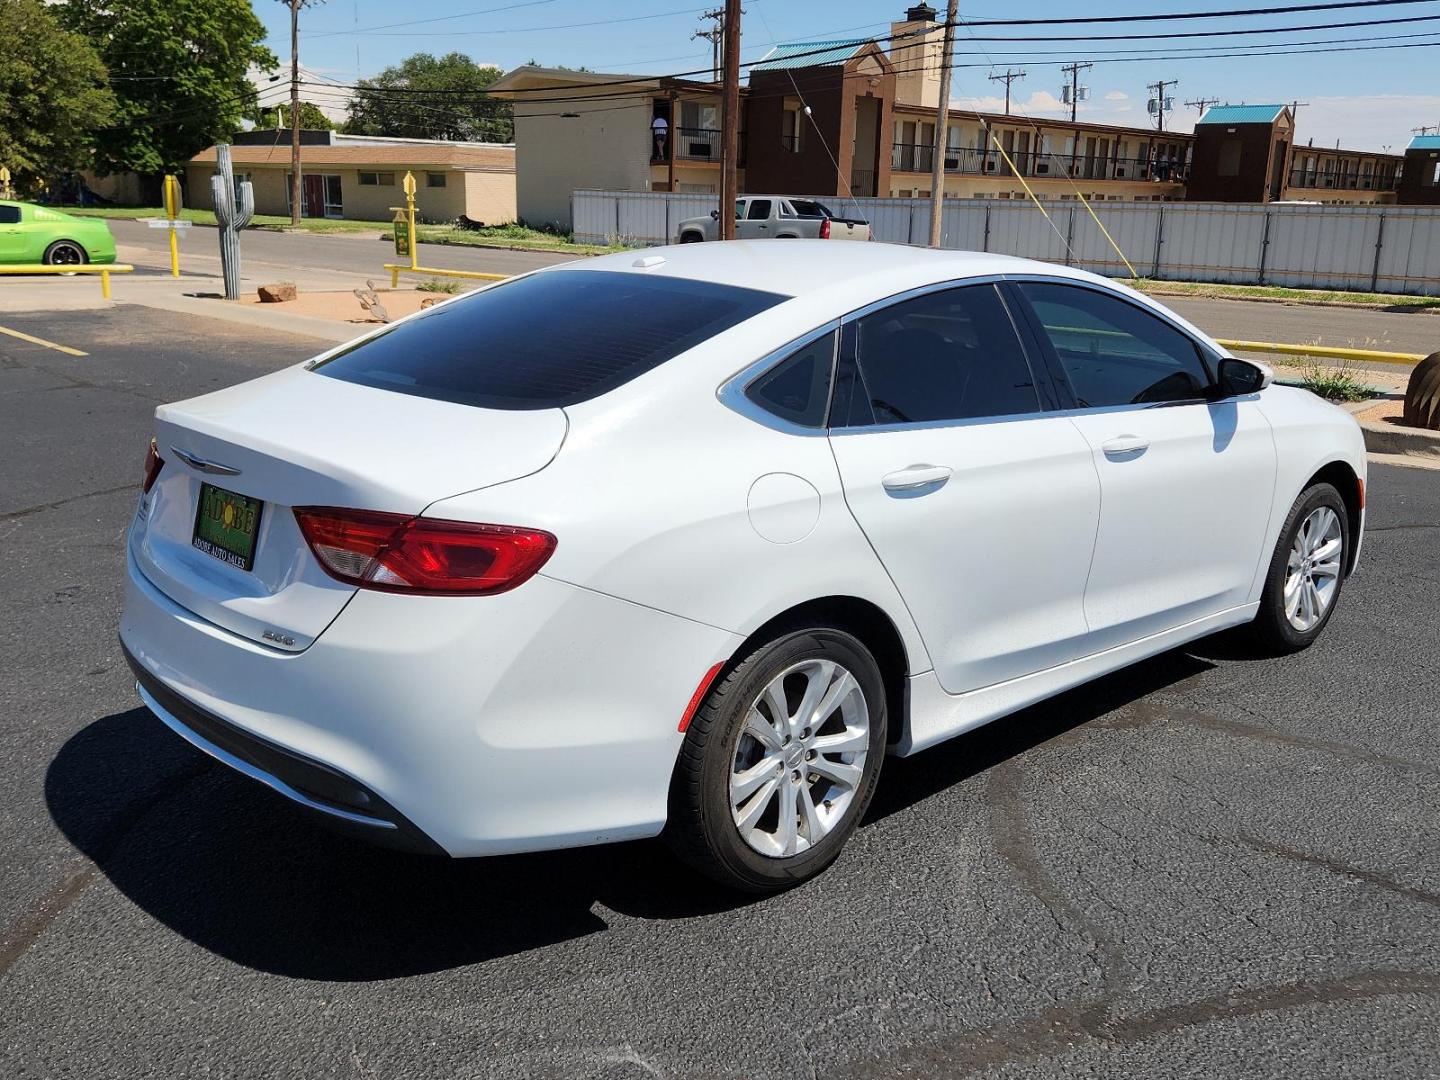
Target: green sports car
(38, 234)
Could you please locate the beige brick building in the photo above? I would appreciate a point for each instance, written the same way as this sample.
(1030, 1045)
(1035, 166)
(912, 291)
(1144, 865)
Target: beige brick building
(361, 179)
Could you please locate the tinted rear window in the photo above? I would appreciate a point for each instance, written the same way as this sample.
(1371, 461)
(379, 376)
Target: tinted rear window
(546, 340)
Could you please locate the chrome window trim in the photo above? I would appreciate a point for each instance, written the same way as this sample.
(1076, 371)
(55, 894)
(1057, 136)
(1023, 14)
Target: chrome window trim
(969, 421)
(732, 392)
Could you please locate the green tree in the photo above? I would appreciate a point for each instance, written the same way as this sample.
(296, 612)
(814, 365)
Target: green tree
(429, 97)
(179, 69)
(53, 93)
(311, 118)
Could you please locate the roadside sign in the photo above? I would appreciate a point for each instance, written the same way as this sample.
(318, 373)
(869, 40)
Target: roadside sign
(167, 223)
(409, 185)
(172, 222)
(402, 233)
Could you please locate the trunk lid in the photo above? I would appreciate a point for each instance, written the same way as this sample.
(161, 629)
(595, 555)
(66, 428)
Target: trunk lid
(296, 438)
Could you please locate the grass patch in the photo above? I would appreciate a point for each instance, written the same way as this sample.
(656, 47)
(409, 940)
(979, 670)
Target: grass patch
(1333, 383)
(1275, 292)
(436, 285)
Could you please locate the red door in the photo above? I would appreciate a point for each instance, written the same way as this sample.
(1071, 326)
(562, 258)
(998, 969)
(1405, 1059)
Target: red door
(313, 197)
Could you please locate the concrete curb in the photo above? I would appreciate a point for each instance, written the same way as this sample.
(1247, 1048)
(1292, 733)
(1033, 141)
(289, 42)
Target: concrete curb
(264, 317)
(1393, 439)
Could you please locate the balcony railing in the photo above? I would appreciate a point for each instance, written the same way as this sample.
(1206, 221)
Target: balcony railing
(862, 183)
(1321, 180)
(918, 157)
(695, 144)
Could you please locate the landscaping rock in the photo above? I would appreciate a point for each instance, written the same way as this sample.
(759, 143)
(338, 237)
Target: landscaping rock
(277, 294)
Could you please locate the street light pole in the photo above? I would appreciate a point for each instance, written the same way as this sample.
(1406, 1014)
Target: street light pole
(937, 168)
(294, 6)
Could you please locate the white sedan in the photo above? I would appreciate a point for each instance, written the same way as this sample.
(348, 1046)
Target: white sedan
(688, 542)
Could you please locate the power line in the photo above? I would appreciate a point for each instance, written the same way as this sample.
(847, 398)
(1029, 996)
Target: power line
(1201, 104)
(1174, 16)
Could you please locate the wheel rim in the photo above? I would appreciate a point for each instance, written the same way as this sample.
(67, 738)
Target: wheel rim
(800, 758)
(66, 255)
(1312, 573)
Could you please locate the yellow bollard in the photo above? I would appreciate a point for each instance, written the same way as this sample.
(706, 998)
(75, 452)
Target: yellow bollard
(105, 282)
(172, 211)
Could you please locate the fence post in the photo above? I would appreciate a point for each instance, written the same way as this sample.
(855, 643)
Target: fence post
(1264, 248)
(1070, 238)
(985, 243)
(1379, 243)
(1159, 239)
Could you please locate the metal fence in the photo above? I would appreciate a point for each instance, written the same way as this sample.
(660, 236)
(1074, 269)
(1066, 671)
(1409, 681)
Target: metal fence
(1394, 249)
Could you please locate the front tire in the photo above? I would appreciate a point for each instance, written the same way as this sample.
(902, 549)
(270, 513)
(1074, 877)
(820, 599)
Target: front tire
(1306, 572)
(691, 238)
(780, 762)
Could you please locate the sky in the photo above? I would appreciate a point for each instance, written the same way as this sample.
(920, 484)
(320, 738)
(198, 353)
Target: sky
(1366, 97)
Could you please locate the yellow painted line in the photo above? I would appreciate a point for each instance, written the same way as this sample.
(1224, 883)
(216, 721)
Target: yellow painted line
(41, 341)
(1364, 356)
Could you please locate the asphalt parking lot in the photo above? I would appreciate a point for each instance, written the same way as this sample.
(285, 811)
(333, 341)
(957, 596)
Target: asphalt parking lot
(1207, 865)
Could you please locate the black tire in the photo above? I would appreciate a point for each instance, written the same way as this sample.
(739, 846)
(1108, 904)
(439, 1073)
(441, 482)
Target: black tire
(65, 253)
(701, 827)
(1273, 629)
(691, 238)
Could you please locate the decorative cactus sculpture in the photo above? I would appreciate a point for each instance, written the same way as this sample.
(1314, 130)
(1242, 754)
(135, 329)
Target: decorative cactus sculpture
(1422, 395)
(233, 211)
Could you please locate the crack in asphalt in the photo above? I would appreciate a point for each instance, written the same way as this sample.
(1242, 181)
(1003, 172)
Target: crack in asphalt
(1341, 869)
(49, 906)
(10, 515)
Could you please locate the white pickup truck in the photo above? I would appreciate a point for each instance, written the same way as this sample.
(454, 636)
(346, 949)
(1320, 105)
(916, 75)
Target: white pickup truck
(778, 217)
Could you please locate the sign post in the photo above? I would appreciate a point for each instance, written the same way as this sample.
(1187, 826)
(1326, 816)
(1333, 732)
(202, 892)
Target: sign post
(172, 212)
(410, 213)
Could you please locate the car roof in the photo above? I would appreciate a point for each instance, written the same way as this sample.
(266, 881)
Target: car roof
(800, 268)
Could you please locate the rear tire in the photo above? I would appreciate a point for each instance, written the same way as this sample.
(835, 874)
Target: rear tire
(760, 805)
(1306, 572)
(65, 253)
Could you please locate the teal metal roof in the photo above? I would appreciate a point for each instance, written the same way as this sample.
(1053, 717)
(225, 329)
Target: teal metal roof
(1241, 114)
(798, 54)
(1424, 142)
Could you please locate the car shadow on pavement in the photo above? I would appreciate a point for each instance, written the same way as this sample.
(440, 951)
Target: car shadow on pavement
(241, 872)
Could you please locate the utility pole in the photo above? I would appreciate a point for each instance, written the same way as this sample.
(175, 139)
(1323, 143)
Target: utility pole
(1295, 109)
(730, 122)
(715, 35)
(1426, 129)
(1201, 104)
(1159, 88)
(1007, 79)
(1073, 70)
(937, 169)
(295, 6)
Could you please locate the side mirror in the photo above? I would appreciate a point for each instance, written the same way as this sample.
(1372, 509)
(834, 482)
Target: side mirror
(1241, 377)
(714, 215)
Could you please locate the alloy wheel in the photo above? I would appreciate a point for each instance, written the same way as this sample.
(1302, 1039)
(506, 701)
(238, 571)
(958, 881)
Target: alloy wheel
(800, 758)
(1312, 572)
(66, 254)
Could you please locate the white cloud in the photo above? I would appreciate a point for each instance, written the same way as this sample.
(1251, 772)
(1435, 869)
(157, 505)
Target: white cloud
(1372, 122)
(1117, 95)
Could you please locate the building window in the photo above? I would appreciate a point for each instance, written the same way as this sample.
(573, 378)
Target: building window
(434, 179)
(1229, 163)
(792, 130)
(377, 179)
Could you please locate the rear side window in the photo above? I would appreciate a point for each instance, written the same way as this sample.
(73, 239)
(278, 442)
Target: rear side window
(548, 340)
(797, 389)
(1113, 353)
(9, 215)
(759, 210)
(949, 355)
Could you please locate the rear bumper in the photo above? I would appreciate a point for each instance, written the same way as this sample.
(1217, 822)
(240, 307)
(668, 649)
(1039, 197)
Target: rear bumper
(342, 801)
(540, 718)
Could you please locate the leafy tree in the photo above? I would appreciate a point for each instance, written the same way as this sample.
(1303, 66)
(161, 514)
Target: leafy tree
(53, 94)
(428, 97)
(311, 118)
(179, 69)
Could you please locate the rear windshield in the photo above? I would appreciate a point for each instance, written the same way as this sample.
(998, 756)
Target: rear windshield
(809, 208)
(547, 340)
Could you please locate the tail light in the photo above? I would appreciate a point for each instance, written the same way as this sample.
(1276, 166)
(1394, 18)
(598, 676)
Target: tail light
(400, 553)
(825, 228)
(153, 464)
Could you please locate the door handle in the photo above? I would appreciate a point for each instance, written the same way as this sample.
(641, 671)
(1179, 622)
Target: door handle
(915, 476)
(1124, 444)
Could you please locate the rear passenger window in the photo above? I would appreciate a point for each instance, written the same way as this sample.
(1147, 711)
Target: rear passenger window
(950, 355)
(759, 210)
(1113, 353)
(798, 388)
(9, 215)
